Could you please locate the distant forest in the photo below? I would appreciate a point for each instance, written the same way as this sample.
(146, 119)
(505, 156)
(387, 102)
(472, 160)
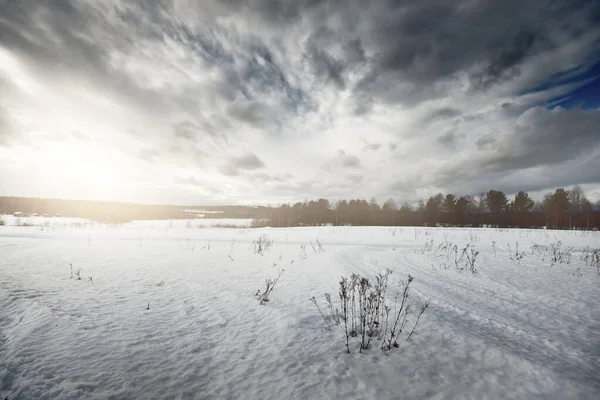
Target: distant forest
(114, 212)
(563, 209)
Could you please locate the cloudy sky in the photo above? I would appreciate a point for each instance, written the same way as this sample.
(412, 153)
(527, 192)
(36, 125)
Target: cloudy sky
(258, 101)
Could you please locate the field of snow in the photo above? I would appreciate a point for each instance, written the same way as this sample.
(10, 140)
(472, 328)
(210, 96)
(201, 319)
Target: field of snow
(46, 222)
(191, 223)
(172, 314)
(54, 223)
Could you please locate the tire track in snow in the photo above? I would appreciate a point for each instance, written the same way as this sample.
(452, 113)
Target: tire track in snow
(521, 325)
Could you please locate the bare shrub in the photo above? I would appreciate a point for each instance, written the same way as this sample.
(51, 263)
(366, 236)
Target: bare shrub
(269, 286)
(560, 255)
(262, 244)
(591, 258)
(318, 248)
(76, 274)
(314, 300)
(303, 252)
(372, 318)
(516, 256)
(344, 303)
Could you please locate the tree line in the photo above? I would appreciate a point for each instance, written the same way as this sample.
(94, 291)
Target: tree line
(562, 209)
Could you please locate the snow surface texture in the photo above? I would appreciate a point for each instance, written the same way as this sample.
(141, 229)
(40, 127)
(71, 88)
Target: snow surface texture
(514, 330)
(53, 223)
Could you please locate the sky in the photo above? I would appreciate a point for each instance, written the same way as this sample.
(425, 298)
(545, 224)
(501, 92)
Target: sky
(266, 102)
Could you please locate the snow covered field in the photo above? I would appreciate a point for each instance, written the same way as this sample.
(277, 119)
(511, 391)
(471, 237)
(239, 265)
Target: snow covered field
(54, 223)
(522, 327)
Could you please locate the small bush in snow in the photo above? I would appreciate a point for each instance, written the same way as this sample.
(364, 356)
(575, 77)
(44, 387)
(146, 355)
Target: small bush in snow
(77, 273)
(560, 255)
(591, 258)
(303, 252)
(231, 247)
(428, 246)
(516, 256)
(465, 262)
(262, 244)
(364, 312)
(187, 246)
(318, 248)
(263, 297)
(314, 300)
(344, 289)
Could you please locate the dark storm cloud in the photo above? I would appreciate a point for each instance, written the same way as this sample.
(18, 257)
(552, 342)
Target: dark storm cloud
(326, 66)
(258, 75)
(485, 142)
(409, 46)
(369, 146)
(372, 147)
(412, 45)
(245, 162)
(248, 161)
(545, 178)
(449, 139)
(279, 11)
(250, 112)
(404, 47)
(347, 160)
(545, 137)
(541, 138)
(442, 114)
(437, 39)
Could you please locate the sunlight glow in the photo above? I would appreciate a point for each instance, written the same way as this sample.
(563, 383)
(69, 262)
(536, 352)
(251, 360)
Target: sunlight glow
(81, 165)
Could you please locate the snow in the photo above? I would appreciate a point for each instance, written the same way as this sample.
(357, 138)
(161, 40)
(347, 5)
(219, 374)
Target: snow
(192, 223)
(69, 222)
(524, 330)
(46, 222)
